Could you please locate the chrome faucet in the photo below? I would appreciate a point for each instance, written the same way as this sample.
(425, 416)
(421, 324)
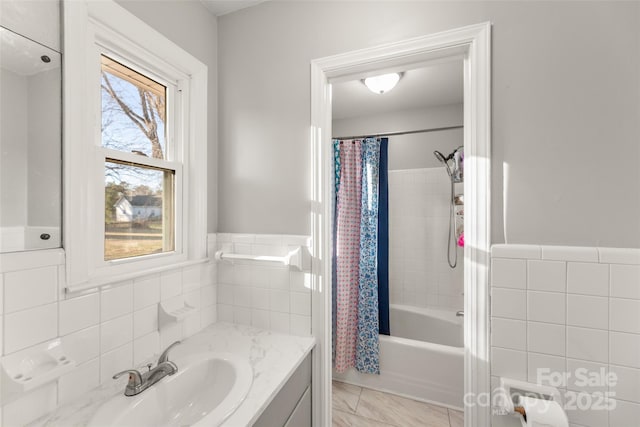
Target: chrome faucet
(140, 382)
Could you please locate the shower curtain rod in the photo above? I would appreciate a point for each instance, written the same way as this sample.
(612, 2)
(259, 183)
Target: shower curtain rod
(398, 133)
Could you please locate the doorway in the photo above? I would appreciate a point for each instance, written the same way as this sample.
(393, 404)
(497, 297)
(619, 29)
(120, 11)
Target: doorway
(471, 45)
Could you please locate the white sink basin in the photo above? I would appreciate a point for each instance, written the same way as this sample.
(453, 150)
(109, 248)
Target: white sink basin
(207, 388)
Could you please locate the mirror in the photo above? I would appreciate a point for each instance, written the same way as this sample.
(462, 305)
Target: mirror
(30, 144)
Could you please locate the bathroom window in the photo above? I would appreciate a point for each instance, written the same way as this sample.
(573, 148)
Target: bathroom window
(139, 196)
(135, 149)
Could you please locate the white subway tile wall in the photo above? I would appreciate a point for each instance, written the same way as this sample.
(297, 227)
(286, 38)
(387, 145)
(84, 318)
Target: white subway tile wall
(419, 274)
(572, 310)
(258, 294)
(104, 330)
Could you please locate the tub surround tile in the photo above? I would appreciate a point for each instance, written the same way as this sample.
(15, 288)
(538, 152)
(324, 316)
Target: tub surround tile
(587, 344)
(625, 281)
(96, 326)
(541, 365)
(170, 284)
(25, 328)
(587, 417)
(116, 301)
(79, 313)
(146, 347)
(569, 253)
(208, 295)
(509, 363)
(146, 292)
(625, 414)
(115, 361)
(191, 278)
(116, 333)
(509, 273)
(588, 311)
(625, 315)
(299, 324)
(627, 386)
(271, 297)
(83, 345)
(509, 303)
(420, 275)
(260, 318)
(145, 321)
(546, 338)
(79, 381)
(516, 251)
(588, 278)
(30, 288)
(547, 307)
(242, 316)
(547, 276)
(579, 369)
(583, 312)
(509, 333)
(619, 256)
(625, 349)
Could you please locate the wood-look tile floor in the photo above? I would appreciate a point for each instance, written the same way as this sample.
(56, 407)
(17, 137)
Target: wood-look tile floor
(355, 406)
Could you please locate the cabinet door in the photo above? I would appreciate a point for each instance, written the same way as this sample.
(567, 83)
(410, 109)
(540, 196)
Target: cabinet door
(301, 416)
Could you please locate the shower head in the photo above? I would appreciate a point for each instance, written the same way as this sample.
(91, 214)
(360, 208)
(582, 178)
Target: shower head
(440, 156)
(444, 161)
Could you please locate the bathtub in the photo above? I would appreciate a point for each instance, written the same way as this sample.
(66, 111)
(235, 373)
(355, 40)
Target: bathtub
(423, 359)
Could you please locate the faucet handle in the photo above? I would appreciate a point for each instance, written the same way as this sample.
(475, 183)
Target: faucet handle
(164, 357)
(135, 379)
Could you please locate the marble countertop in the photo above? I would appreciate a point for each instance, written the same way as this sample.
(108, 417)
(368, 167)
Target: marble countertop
(273, 356)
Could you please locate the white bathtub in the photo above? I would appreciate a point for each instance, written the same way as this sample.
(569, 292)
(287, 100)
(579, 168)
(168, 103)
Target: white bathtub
(423, 359)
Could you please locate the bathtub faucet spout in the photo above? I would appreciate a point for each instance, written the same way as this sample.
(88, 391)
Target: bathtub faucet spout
(460, 313)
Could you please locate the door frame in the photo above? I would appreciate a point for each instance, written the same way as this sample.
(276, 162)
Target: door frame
(473, 44)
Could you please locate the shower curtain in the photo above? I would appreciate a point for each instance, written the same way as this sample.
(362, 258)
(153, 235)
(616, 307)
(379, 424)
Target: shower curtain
(360, 245)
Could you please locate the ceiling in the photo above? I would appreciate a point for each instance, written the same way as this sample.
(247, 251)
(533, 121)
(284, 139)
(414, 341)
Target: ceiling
(220, 8)
(431, 86)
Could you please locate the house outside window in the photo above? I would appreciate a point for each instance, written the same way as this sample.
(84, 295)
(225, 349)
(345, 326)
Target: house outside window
(135, 148)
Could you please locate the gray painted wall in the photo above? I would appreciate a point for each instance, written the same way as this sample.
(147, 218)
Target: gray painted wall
(566, 111)
(36, 19)
(192, 27)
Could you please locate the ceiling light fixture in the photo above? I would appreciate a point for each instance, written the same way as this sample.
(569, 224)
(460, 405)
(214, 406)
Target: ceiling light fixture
(383, 83)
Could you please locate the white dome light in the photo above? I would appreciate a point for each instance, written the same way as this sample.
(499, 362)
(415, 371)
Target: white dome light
(383, 83)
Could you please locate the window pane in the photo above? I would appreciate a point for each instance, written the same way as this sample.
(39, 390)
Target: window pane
(139, 211)
(133, 111)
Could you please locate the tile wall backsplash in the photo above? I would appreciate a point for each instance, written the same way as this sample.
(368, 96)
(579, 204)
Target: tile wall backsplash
(572, 310)
(260, 294)
(419, 274)
(104, 331)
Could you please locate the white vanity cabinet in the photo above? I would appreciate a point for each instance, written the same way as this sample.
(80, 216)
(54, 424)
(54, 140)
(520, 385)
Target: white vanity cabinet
(291, 407)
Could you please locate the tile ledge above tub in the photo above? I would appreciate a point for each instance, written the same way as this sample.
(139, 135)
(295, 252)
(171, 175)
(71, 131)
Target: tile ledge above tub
(630, 256)
(282, 354)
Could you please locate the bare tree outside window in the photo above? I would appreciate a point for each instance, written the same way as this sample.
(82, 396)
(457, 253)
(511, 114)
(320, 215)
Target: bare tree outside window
(138, 202)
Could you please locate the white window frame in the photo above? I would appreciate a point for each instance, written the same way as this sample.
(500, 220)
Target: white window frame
(96, 28)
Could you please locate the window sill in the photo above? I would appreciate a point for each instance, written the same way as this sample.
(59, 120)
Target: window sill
(98, 283)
